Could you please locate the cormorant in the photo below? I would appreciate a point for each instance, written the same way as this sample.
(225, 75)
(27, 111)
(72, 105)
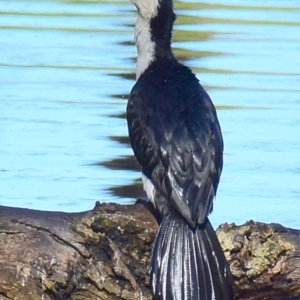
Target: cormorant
(177, 140)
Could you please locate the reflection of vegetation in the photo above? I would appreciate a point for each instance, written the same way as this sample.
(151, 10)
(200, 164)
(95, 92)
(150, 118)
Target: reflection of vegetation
(191, 35)
(232, 71)
(131, 75)
(190, 5)
(133, 191)
(120, 96)
(59, 14)
(115, 2)
(248, 88)
(68, 29)
(184, 19)
(233, 107)
(123, 163)
(120, 139)
(120, 116)
(183, 54)
(77, 67)
(200, 5)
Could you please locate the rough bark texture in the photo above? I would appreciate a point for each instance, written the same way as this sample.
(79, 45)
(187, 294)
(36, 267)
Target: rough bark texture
(264, 260)
(104, 254)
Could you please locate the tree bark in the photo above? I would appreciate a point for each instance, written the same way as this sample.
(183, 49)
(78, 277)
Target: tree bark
(104, 254)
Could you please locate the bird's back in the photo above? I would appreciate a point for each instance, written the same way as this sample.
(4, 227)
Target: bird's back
(176, 137)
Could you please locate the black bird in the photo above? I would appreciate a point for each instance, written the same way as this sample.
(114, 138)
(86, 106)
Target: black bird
(177, 140)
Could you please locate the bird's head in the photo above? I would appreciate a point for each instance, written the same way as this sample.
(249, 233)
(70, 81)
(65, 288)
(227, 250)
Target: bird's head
(147, 9)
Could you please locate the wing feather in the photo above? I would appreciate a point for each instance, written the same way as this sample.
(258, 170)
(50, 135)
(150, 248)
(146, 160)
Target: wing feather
(181, 155)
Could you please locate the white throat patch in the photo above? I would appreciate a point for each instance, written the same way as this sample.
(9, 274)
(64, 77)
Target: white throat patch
(145, 47)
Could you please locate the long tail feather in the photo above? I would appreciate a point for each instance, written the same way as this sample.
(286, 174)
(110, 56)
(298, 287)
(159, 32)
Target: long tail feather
(188, 263)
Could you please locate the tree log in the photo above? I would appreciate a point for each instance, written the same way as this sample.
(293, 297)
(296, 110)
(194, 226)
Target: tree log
(104, 254)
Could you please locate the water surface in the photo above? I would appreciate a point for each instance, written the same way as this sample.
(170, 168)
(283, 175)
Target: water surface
(66, 68)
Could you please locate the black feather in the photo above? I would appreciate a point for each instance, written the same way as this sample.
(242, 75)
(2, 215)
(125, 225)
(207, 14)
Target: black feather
(188, 264)
(176, 138)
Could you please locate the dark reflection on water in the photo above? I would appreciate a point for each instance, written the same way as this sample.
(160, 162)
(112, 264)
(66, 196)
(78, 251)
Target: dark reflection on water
(130, 76)
(120, 139)
(120, 116)
(128, 162)
(133, 191)
(123, 163)
(120, 96)
(127, 43)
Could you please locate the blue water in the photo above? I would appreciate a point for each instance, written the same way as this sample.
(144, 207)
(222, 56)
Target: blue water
(62, 84)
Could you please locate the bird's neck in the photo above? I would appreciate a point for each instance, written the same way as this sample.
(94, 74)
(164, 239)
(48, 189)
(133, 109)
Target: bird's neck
(153, 37)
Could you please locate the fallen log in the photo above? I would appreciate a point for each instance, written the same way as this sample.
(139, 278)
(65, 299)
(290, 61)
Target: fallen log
(104, 254)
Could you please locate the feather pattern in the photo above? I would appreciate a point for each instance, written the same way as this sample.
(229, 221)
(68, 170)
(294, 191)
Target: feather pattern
(188, 264)
(178, 143)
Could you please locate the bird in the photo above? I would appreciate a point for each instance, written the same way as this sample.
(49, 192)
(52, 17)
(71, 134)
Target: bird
(177, 140)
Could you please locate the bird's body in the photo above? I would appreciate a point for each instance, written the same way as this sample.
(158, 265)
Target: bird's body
(177, 140)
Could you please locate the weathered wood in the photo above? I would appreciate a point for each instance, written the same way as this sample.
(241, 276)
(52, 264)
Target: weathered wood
(104, 254)
(264, 259)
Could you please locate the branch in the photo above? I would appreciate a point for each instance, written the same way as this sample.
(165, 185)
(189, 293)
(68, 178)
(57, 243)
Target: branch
(104, 254)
